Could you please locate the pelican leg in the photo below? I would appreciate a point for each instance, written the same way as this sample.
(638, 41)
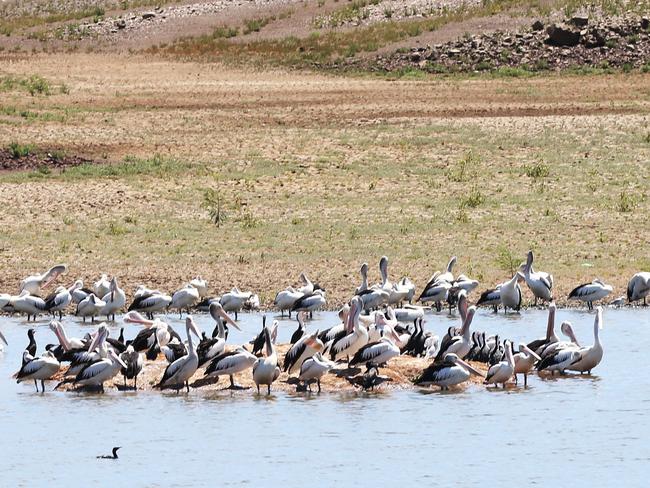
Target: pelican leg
(135, 383)
(516, 378)
(84, 319)
(60, 314)
(268, 389)
(525, 380)
(535, 304)
(187, 385)
(318, 381)
(36, 385)
(258, 389)
(236, 315)
(42, 386)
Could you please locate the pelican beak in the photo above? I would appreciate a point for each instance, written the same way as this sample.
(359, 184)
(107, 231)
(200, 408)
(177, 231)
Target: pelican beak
(470, 368)
(99, 338)
(532, 353)
(119, 360)
(2, 337)
(134, 317)
(227, 318)
(194, 328)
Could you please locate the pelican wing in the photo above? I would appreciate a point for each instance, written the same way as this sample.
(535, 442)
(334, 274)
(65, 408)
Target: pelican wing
(172, 369)
(93, 369)
(293, 354)
(30, 367)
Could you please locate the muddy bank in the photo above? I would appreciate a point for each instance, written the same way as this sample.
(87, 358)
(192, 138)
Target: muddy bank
(26, 158)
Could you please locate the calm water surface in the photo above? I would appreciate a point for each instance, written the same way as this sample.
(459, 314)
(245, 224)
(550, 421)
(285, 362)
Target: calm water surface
(575, 431)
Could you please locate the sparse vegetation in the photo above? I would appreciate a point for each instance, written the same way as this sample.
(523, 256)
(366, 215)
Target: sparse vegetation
(212, 203)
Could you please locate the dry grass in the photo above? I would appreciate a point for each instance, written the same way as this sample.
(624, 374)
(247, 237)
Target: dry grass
(320, 173)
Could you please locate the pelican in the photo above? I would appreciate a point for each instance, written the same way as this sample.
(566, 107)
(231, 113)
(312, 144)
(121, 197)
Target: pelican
(373, 298)
(524, 362)
(511, 293)
(364, 279)
(503, 370)
(408, 285)
(97, 373)
(185, 298)
(265, 369)
(234, 300)
(115, 300)
(180, 371)
(447, 275)
(149, 302)
(591, 356)
(310, 303)
(459, 344)
(153, 330)
(449, 372)
(78, 292)
(213, 347)
(58, 301)
(408, 313)
(539, 344)
(33, 284)
(285, 299)
(435, 292)
(590, 292)
(314, 368)
(231, 363)
(379, 352)
(90, 307)
(134, 363)
(38, 368)
(357, 336)
(553, 347)
(491, 298)
(201, 285)
(539, 282)
(396, 293)
(638, 287)
(307, 287)
(304, 348)
(560, 361)
(66, 342)
(464, 283)
(28, 304)
(102, 286)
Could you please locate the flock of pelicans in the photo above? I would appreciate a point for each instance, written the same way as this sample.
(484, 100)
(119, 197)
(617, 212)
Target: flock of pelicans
(374, 328)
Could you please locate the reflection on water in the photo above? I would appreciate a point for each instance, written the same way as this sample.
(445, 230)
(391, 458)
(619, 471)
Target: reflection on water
(575, 430)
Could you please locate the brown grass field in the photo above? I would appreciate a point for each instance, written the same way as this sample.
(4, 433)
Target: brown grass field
(318, 173)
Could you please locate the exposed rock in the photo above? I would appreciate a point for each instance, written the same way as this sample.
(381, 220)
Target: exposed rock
(562, 35)
(538, 25)
(148, 15)
(645, 23)
(120, 23)
(579, 20)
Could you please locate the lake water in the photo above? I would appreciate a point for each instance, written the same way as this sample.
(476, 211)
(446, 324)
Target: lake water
(577, 431)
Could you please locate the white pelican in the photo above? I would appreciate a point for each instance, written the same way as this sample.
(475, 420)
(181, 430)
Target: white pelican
(231, 363)
(539, 344)
(491, 298)
(364, 279)
(33, 284)
(78, 292)
(373, 298)
(102, 286)
(396, 293)
(185, 298)
(115, 300)
(285, 299)
(638, 287)
(134, 363)
(150, 301)
(28, 304)
(153, 330)
(314, 368)
(210, 348)
(408, 285)
(524, 362)
(357, 336)
(555, 346)
(464, 283)
(310, 303)
(66, 342)
(378, 353)
(462, 343)
(142, 290)
(58, 301)
(201, 285)
(234, 300)
(408, 313)
(560, 361)
(539, 282)
(449, 372)
(265, 369)
(307, 287)
(590, 292)
(447, 275)
(511, 293)
(503, 370)
(39, 368)
(97, 373)
(591, 356)
(337, 331)
(178, 373)
(436, 292)
(90, 307)
(304, 348)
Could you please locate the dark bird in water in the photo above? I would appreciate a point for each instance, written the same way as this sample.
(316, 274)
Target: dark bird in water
(369, 379)
(114, 456)
(31, 347)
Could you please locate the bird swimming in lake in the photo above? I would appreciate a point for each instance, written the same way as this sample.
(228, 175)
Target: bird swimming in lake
(112, 456)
